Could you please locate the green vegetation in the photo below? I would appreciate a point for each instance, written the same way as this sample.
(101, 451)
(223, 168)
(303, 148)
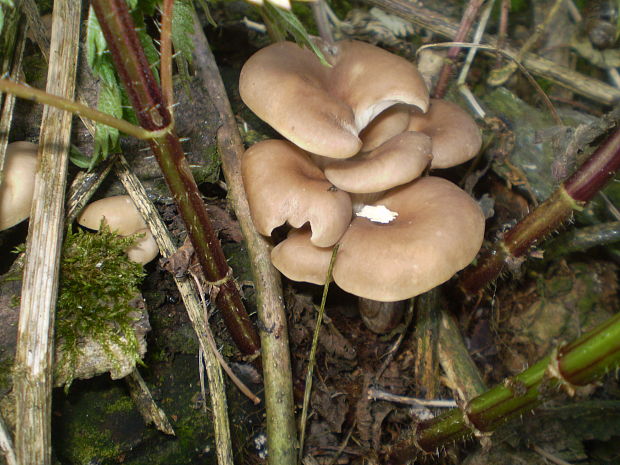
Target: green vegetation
(98, 282)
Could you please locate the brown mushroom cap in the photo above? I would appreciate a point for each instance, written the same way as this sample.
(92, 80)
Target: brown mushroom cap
(322, 109)
(438, 231)
(398, 161)
(298, 259)
(283, 185)
(455, 135)
(370, 80)
(123, 218)
(17, 187)
(119, 213)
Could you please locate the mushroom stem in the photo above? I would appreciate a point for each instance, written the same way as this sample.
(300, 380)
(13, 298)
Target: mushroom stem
(380, 317)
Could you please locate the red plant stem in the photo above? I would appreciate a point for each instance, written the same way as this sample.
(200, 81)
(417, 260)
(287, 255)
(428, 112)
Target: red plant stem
(146, 98)
(466, 23)
(547, 217)
(165, 52)
(503, 27)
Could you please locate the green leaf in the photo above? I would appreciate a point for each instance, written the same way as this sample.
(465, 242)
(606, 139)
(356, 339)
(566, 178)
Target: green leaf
(286, 21)
(106, 138)
(97, 53)
(183, 28)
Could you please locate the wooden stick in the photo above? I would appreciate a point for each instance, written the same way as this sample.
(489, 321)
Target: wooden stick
(281, 431)
(35, 343)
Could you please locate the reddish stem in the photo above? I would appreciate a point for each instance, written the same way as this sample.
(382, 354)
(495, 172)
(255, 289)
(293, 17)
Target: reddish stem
(466, 23)
(146, 98)
(165, 49)
(584, 184)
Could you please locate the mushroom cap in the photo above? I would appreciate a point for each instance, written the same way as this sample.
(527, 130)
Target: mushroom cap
(119, 213)
(145, 249)
(370, 80)
(323, 109)
(283, 185)
(17, 186)
(389, 123)
(298, 259)
(398, 161)
(438, 231)
(286, 86)
(455, 135)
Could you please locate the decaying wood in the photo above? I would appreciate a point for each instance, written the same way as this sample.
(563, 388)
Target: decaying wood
(6, 444)
(143, 400)
(192, 305)
(460, 369)
(281, 431)
(566, 77)
(33, 359)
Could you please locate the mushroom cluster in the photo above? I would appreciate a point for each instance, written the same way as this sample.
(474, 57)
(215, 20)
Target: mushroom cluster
(360, 134)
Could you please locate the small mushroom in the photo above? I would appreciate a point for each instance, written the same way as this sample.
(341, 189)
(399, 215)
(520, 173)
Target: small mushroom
(323, 109)
(283, 185)
(17, 187)
(123, 218)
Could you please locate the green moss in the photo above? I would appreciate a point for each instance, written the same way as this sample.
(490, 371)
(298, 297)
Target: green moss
(210, 172)
(96, 285)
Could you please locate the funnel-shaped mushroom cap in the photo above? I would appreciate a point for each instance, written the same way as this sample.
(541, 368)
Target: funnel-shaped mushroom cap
(323, 109)
(299, 260)
(455, 135)
(119, 213)
(17, 187)
(399, 160)
(283, 185)
(438, 231)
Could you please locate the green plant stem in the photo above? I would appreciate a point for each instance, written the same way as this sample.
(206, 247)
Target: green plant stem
(547, 217)
(40, 96)
(576, 364)
(146, 99)
(312, 357)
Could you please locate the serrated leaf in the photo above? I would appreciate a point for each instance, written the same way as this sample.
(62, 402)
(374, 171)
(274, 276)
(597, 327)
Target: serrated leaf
(97, 53)
(288, 22)
(106, 138)
(183, 28)
(78, 158)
